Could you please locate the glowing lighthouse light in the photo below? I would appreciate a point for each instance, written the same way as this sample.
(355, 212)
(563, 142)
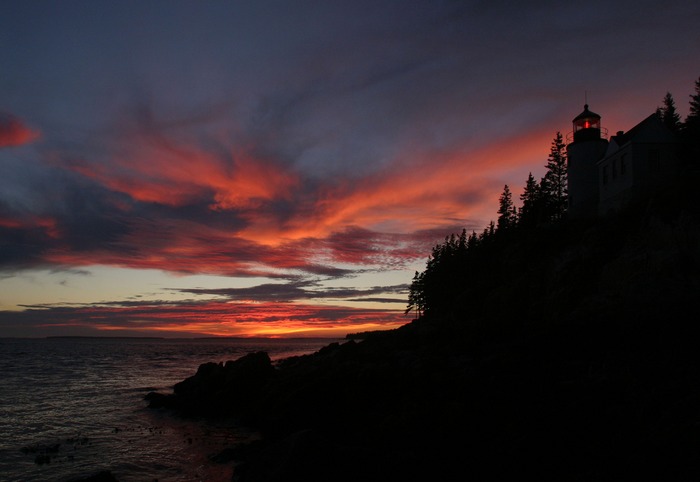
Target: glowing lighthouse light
(586, 125)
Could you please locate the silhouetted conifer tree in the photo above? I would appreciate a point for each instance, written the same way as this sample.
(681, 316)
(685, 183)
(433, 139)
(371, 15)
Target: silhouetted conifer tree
(554, 186)
(487, 233)
(691, 129)
(544, 205)
(416, 295)
(462, 241)
(694, 113)
(506, 210)
(530, 196)
(473, 241)
(669, 115)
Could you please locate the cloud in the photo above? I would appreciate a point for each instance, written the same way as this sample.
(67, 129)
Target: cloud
(13, 132)
(298, 290)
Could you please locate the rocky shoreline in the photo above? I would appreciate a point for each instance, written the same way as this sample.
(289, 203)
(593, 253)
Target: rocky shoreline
(415, 405)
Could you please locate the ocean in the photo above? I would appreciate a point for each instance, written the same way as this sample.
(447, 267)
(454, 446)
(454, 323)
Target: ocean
(71, 407)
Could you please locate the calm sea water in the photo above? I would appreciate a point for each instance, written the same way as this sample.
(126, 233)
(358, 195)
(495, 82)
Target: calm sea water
(72, 407)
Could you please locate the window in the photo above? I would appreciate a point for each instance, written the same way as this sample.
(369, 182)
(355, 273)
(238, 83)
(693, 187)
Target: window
(623, 164)
(605, 175)
(614, 169)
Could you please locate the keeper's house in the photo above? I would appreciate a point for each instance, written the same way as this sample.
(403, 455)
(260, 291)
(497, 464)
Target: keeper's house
(604, 175)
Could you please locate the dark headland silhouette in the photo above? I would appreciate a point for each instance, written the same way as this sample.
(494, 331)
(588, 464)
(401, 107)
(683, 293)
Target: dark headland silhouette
(546, 348)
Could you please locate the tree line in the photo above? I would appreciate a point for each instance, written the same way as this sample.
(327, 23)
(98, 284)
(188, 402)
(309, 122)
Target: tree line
(460, 271)
(453, 263)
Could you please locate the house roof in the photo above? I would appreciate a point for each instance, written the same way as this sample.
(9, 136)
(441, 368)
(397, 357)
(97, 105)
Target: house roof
(649, 130)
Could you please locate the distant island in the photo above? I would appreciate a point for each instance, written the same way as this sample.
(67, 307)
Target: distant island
(97, 337)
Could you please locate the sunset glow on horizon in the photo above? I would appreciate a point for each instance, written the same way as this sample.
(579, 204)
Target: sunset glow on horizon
(228, 169)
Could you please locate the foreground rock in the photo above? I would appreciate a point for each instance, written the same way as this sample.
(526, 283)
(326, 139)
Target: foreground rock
(219, 389)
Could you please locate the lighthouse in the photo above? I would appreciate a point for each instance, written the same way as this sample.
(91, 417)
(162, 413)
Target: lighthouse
(588, 146)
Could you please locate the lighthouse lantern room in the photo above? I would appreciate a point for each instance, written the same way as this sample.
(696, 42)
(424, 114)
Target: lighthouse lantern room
(586, 126)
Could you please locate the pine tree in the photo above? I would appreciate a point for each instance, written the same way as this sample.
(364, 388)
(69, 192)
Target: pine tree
(487, 234)
(669, 115)
(416, 296)
(694, 113)
(691, 129)
(473, 241)
(506, 210)
(529, 198)
(463, 240)
(554, 186)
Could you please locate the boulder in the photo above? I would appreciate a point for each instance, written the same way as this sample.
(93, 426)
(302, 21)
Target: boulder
(218, 388)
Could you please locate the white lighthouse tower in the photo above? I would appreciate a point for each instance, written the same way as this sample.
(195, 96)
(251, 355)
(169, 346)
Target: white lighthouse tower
(586, 149)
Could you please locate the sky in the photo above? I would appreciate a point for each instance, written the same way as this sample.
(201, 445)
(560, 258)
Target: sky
(282, 168)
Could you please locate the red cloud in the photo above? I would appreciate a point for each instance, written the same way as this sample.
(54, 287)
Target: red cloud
(47, 225)
(14, 133)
